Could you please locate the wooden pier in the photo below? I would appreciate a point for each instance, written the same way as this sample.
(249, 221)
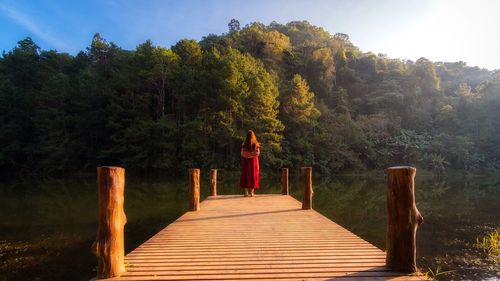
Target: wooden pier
(266, 237)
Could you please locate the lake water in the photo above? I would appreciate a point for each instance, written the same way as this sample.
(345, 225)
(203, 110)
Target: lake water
(48, 226)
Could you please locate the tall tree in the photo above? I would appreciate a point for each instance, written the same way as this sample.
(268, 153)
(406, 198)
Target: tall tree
(300, 118)
(233, 25)
(18, 89)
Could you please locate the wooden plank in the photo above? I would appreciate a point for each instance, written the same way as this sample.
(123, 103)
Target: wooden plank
(336, 252)
(278, 278)
(284, 276)
(256, 243)
(267, 237)
(256, 259)
(198, 266)
(253, 269)
(350, 247)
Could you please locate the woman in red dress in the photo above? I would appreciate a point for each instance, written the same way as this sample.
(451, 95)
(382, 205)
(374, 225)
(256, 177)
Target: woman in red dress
(250, 151)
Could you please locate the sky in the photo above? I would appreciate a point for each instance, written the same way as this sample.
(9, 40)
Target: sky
(440, 30)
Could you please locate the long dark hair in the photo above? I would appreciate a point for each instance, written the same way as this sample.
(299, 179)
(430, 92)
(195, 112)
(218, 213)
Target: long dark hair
(250, 141)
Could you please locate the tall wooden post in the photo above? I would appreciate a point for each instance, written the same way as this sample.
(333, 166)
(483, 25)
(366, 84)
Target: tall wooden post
(194, 189)
(284, 181)
(403, 219)
(109, 243)
(306, 173)
(213, 182)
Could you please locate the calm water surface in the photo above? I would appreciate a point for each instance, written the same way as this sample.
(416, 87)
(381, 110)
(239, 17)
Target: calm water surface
(47, 227)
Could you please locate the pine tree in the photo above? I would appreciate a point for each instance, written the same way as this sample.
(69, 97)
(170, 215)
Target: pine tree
(299, 115)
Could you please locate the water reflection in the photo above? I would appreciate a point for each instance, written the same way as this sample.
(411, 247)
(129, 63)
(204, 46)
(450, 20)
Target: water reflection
(46, 228)
(456, 209)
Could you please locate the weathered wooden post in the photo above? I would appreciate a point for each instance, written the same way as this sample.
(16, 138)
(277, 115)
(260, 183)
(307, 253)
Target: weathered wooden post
(213, 182)
(306, 173)
(403, 219)
(194, 189)
(284, 181)
(109, 243)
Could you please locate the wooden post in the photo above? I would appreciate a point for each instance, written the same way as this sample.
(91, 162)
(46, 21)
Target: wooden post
(109, 244)
(403, 219)
(284, 181)
(194, 189)
(213, 182)
(306, 173)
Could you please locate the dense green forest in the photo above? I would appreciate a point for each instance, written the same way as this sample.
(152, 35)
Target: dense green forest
(312, 98)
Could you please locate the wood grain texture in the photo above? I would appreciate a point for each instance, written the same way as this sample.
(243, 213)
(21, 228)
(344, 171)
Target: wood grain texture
(266, 237)
(213, 182)
(403, 219)
(194, 189)
(306, 173)
(284, 181)
(109, 243)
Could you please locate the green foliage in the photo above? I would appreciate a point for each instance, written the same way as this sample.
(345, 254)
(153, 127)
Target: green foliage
(436, 273)
(234, 26)
(408, 146)
(299, 116)
(490, 244)
(244, 97)
(435, 162)
(312, 98)
(270, 46)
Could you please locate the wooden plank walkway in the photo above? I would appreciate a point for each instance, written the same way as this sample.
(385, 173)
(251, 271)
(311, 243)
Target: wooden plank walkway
(267, 237)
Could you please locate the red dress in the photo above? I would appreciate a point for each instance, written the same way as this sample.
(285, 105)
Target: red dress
(250, 168)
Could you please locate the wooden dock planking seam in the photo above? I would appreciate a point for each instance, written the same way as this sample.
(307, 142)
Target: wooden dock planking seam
(267, 237)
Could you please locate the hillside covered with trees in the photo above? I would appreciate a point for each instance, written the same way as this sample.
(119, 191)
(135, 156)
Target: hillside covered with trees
(312, 98)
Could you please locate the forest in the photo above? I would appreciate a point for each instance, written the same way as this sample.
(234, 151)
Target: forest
(312, 98)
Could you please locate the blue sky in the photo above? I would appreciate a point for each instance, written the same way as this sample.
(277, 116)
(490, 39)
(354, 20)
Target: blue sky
(441, 30)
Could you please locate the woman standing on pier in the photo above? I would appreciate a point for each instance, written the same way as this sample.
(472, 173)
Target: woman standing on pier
(250, 151)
